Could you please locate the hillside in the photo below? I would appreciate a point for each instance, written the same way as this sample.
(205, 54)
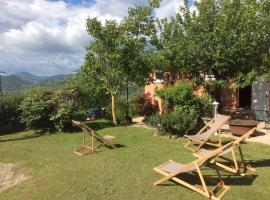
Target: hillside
(12, 82)
(22, 80)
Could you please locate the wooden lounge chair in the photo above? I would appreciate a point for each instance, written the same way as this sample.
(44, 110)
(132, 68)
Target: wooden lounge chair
(171, 170)
(94, 136)
(239, 167)
(203, 136)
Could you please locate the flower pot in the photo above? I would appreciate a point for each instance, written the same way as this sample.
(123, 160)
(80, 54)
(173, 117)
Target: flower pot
(239, 127)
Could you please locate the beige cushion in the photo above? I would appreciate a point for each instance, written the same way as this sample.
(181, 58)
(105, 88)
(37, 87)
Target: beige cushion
(108, 137)
(173, 166)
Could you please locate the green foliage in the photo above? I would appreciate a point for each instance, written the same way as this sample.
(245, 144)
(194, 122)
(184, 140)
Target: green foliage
(69, 104)
(36, 109)
(145, 105)
(10, 113)
(179, 123)
(117, 54)
(47, 110)
(244, 80)
(229, 39)
(121, 113)
(93, 95)
(181, 95)
(154, 3)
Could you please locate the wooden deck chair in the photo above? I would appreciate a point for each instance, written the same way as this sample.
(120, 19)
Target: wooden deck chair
(203, 136)
(239, 167)
(171, 171)
(94, 136)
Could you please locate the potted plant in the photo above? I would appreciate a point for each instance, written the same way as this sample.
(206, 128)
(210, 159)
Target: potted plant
(239, 127)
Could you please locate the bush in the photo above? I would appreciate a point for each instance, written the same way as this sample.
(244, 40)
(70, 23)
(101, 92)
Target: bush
(145, 105)
(182, 121)
(10, 113)
(69, 104)
(121, 111)
(36, 109)
(181, 95)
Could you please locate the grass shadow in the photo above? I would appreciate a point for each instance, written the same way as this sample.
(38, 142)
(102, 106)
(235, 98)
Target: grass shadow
(257, 133)
(212, 180)
(259, 163)
(98, 124)
(119, 146)
(25, 137)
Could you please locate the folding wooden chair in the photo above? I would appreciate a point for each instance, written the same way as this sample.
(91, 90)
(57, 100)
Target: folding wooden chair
(239, 167)
(171, 170)
(203, 136)
(94, 136)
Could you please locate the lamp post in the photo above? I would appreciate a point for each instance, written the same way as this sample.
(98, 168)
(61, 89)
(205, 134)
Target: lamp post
(1, 91)
(215, 107)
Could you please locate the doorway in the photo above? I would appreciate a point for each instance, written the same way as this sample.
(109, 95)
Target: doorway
(245, 97)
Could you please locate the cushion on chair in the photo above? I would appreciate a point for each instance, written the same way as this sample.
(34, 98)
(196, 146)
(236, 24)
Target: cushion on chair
(173, 166)
(108, 137)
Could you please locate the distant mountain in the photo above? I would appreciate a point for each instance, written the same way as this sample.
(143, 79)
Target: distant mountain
(22, 80)
(12, 82)
(36, 79)
(29, 77)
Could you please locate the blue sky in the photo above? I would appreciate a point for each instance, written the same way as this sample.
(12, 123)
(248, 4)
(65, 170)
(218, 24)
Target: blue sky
(47, 37)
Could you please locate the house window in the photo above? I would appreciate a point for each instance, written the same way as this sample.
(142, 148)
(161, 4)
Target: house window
(158, 76)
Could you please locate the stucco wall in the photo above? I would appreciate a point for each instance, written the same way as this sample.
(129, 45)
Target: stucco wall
(151, 90)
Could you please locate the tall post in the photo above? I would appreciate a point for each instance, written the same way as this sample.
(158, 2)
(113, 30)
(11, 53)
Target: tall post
(127, 101)
(215, 107)
(1, 91)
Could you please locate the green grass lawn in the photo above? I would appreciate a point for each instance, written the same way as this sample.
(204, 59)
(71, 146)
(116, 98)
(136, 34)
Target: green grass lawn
(122, 174)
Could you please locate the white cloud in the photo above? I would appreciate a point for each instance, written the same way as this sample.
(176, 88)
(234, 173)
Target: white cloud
(48, 37)
(168, 8)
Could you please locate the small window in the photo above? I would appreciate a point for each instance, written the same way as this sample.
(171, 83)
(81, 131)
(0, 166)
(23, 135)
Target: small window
(159, 75)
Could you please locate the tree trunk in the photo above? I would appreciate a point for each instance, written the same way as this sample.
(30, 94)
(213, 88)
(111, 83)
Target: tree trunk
(114, 109)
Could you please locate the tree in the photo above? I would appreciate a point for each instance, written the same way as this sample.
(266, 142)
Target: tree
(175, 44)
(36, 109)
(102, 66)
(227, 38)
(232, 39)
(93, 96)
(138, 26)
(118, 51)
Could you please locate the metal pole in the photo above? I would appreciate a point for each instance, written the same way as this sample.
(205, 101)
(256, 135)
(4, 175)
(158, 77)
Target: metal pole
(127, 102)
(1, 91)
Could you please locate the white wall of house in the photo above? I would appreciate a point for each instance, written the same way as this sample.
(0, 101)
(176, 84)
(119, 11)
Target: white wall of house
(260, 94)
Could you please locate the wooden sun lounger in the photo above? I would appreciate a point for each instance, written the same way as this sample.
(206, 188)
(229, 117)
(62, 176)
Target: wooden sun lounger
(171, 171)
(239, 167)
(85, 149)
(203, 136)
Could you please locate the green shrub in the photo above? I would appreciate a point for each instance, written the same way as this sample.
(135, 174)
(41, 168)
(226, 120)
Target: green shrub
(181, 95)
(121, 111)
(69, 104)
(36, 109)
(178, 123)
(10, 113)
(205, 105)
(145, 105)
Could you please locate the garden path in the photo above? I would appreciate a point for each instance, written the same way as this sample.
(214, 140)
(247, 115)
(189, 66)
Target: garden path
(262, 135)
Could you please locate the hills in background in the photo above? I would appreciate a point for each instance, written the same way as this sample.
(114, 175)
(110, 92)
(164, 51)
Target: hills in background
(22, 80)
